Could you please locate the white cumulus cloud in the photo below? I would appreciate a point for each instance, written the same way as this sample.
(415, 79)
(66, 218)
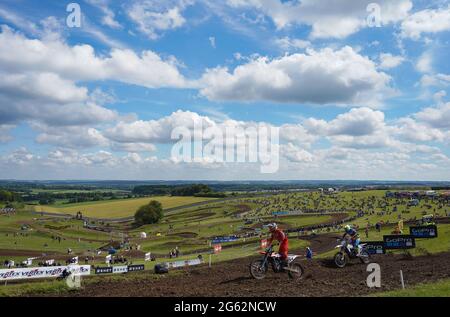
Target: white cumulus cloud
(327, 76)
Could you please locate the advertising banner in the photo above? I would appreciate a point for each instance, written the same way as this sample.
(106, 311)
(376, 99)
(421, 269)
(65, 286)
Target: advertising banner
(134, 268)
(399, 242)
(217, 248)
(375, 247)
(263, 243)
(286, 213)
(218, 240)
(177, 264)
(424, 232)
(7, 210)
(42, 272)
(120, 269)
(104, 270)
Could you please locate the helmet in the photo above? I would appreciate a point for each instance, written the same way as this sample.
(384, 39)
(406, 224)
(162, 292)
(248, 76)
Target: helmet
(347, 227)
(272, 226)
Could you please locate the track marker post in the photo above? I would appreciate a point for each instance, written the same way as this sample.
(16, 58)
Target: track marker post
(401, 279)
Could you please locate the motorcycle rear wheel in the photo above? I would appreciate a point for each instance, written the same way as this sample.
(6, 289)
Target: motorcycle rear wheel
(296, 271)
(340, 259)
(258, 270)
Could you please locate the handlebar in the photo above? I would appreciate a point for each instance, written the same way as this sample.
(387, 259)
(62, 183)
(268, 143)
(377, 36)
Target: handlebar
(269, 248)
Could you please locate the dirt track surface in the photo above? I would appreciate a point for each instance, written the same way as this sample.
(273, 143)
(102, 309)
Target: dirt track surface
(321, 279)
(322, 243)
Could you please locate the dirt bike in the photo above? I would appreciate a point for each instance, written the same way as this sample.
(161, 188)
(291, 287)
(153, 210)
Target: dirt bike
(259, 268)
(347, 252)
(64, 275)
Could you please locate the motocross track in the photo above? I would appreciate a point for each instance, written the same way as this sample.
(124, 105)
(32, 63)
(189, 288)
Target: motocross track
(321, 279)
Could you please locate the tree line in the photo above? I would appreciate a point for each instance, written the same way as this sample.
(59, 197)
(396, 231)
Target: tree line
(46, 198)
(198, 190)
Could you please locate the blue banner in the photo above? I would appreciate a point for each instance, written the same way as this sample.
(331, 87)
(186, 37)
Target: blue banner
(286, 213)
(424, 232)
(399, 242)
(375, 247)
(217, 240)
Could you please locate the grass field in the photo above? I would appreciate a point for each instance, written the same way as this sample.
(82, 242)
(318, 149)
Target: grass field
(439, 289)
(119, 208)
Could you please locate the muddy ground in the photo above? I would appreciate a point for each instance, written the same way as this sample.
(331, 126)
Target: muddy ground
(321, 278)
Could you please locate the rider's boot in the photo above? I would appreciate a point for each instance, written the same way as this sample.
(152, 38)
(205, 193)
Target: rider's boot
(284, 264)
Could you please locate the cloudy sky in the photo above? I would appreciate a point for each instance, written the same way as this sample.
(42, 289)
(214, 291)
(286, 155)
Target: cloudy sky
(351, 100)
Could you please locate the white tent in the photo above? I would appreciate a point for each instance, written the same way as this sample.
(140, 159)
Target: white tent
(143, 235)
(50, 262)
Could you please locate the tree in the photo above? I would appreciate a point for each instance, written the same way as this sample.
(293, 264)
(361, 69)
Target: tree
(5, 195)
(149, 214)
(8, 196)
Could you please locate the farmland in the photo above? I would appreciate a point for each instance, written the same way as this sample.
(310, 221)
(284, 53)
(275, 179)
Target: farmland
(118, 208)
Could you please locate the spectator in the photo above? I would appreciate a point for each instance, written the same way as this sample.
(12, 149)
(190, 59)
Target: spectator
(378, 226)
(309, 253)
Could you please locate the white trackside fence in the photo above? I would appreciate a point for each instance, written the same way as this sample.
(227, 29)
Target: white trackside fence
(42, 272)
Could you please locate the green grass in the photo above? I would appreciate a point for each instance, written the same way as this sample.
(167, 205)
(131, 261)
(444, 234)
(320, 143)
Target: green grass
(438, 289)
(35, 287)
(118, 208)
(37, 240)
(38, 235)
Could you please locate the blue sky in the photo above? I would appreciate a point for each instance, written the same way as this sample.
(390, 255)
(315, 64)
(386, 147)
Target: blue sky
(99, 101)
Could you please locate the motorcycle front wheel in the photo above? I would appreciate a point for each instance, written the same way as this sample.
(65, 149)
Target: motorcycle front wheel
(340, 259)
(364, 257)
(258, 270)
(295, 271)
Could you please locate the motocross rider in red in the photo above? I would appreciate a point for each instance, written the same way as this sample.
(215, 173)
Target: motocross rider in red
(281, 237)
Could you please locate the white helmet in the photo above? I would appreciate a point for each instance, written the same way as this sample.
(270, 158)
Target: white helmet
(272, 225)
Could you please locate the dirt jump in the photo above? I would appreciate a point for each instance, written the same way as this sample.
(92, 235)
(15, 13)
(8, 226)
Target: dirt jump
(321, 278)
